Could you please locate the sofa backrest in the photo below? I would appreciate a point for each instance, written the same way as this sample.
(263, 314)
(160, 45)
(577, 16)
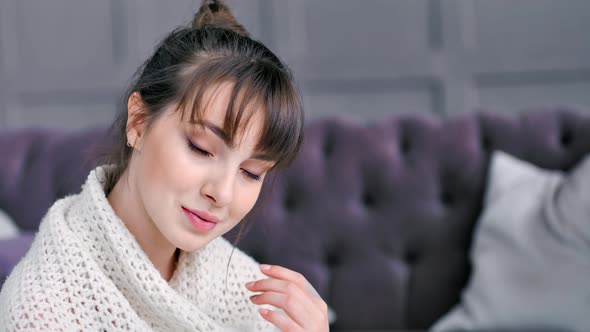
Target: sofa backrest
(40, 165)
(379, 218)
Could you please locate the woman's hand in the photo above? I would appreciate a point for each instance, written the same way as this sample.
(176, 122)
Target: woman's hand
(290, 291)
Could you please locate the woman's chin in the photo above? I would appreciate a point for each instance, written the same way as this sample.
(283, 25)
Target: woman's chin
(191, 242)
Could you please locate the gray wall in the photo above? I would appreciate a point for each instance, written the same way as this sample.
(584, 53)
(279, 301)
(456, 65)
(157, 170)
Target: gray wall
(65, 63)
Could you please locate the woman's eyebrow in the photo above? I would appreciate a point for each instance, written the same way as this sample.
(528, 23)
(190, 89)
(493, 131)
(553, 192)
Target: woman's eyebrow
(219, 132)
(263, 157)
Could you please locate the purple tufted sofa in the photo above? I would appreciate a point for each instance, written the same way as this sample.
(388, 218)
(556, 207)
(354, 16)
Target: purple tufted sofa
(379, 217)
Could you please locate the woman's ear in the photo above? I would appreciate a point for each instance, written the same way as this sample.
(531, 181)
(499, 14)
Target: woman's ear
(136, 117)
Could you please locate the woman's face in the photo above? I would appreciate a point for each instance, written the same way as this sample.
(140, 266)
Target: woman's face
(193, 185)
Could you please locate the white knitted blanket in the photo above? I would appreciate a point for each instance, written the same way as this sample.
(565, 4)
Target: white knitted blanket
(86, 272)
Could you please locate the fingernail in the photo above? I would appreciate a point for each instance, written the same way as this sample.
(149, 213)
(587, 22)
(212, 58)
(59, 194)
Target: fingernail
(264, 267)
(250, 284)
(263, 311)
(253, 297)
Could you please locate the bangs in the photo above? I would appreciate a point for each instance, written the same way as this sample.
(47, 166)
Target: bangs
(257, 88)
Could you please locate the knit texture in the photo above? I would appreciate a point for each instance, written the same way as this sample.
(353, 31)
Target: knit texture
(86, 272)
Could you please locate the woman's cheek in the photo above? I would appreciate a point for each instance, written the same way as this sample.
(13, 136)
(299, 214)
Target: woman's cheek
(185, 168)
(248, 196)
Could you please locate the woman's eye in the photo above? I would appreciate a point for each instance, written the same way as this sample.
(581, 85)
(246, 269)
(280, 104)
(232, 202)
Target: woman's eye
(252, 176)
(198, 149)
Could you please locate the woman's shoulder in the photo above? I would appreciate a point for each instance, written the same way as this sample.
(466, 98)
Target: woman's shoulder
(29, 300)
(220, 257)
(237, 260)
(215, 278)
(44, 257)
(219, 270)
(43, 280)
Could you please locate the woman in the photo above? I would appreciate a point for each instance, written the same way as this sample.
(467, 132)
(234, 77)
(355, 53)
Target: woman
(140, 248)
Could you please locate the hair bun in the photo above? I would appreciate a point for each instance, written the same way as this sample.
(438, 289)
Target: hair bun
(215, 13)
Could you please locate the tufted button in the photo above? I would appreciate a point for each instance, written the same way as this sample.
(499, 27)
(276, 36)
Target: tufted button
(405, 144)
(333, 259)
(447, 198)
(368, 199)
(486, 143)
(289, 202)
(328, 146)
(566, 138)
(410, 257)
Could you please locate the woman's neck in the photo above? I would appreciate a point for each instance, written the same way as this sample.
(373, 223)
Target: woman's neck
(125, 201)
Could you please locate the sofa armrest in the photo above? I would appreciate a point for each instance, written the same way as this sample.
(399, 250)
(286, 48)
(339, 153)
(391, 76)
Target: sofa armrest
(11, 252)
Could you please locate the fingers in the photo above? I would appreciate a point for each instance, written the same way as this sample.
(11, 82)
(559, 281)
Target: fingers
(294, 294)
(283, 273)
(294, 305)
(290, 291)
(279, 320)
(275, 285)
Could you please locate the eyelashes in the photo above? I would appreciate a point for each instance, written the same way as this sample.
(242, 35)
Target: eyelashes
(198, 150)
(252, 176)
(208, 154)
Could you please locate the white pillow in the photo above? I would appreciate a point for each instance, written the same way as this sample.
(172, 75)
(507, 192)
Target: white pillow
(8, 228)
(531, 252)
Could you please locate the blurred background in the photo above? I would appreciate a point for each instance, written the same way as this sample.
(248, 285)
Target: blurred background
(66, 63)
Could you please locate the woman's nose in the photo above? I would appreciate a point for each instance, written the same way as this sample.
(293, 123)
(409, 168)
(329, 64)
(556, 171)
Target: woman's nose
(219, 187)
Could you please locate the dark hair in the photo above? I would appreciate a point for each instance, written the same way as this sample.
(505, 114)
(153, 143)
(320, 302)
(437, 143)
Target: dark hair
(215, 49)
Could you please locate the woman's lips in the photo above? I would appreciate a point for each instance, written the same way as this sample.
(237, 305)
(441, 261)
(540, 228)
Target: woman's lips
(200, 220)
